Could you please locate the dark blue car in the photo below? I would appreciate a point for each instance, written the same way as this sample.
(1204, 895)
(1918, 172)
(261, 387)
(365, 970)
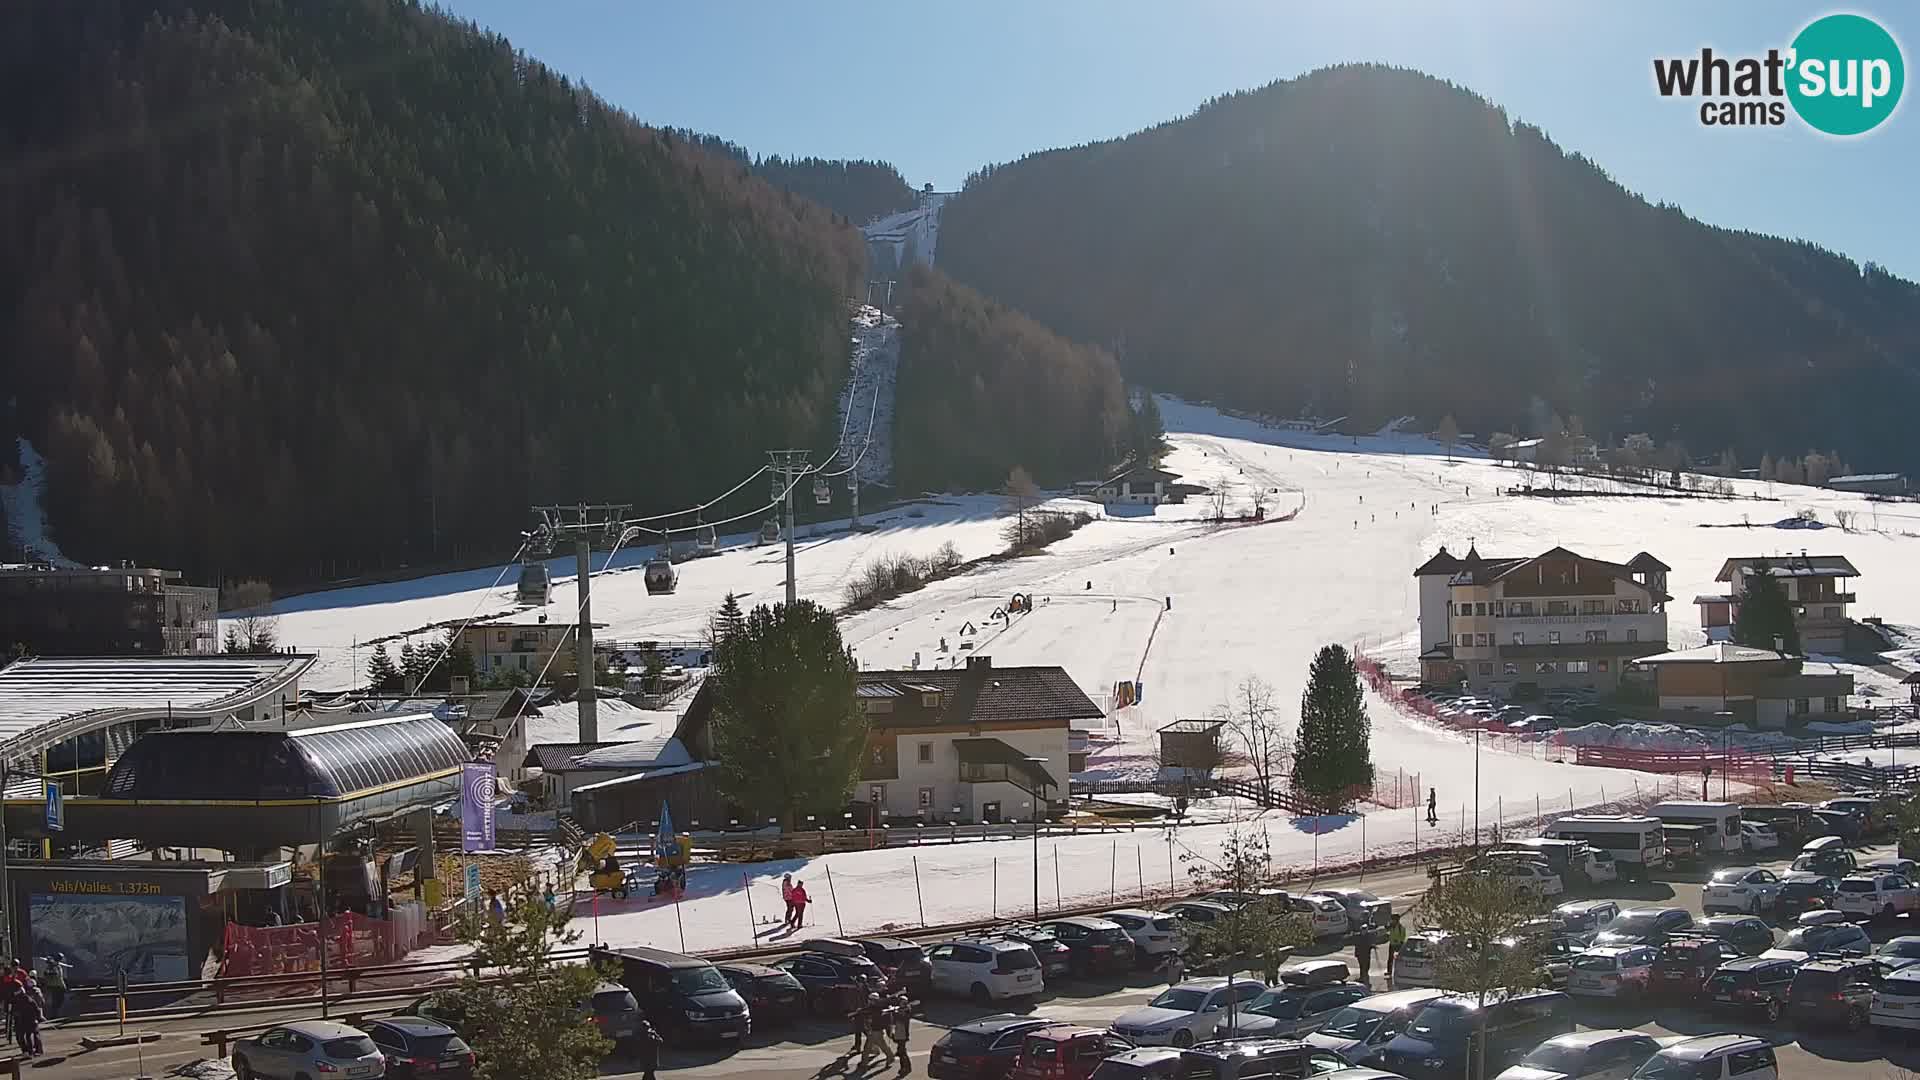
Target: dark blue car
(1439, 1043)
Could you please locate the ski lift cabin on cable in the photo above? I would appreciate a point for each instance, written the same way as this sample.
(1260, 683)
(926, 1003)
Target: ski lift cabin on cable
(660, 576)
(822, 494)
(535, 584)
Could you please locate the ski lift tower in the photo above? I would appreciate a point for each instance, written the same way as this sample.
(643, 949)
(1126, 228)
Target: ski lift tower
(789, 466)
(584, 523)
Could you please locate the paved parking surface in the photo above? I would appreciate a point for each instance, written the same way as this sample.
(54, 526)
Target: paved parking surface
(816, 1049)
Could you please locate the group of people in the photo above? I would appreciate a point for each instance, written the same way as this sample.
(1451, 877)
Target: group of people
(28, 1001)
(795, 896)
(884, 1016)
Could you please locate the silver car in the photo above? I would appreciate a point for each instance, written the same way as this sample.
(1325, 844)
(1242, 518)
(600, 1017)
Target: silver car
(308, 1050)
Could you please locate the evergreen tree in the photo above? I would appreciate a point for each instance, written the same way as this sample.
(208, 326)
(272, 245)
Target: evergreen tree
(786, 730)
(1149, 432)
(1448, 433)
(459, 658)
(528, 1023)
(1765, 615)
(1331, 752)
(382, 676)
(726, 622)
(411, 663)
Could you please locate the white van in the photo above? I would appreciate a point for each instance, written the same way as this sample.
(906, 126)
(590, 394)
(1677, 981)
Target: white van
(1636, 843)
(1721, 818)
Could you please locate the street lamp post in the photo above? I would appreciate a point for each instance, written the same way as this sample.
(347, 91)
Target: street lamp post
(1035, 795)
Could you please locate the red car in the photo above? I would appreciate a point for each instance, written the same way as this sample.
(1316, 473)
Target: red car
(1686, 962)
(1065, 1052)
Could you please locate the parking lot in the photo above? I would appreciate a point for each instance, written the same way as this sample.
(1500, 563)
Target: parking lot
(814, 1050)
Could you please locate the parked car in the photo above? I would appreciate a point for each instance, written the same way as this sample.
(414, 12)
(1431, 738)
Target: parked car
(1359, 1031)
(1803, 891)
(1535, 877)
(1802, 942)
(986, 969)
(1748, 934)
(1713, 1057)
(1198, 911)
(1876, 895)
(1586, 917)
(901, 961)
(983, 1049)
(1326, 913)
(1837, 824)
(1438, 1044)
(1899, 953)
(1828, 917)
(1065, 1052)
(1759, 835)
(1290, 1010)
(1754, 984)
(1896, 1002)
(1154, 934)
(1612, 971)
(1866, 811)
(415, 1046)
(1186, 1013)
(1834, 991)
(1906, 868)
(1266, 1059)
(1601, 1054)
(685, 997)
(773, 996)
(1099, 946)
(1644, 926)
(1240, 899)
(832, 982)
(308, 1048)
(1789, 821)
(1143, 1063)
(1413, 968)
(1687, 961)
(1056, 958)
(1747, 890)
(1364, 910)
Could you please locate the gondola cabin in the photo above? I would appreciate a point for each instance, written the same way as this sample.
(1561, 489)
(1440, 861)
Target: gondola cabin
(535, 584)
(822, 494)
(770, 532)
(661, 576)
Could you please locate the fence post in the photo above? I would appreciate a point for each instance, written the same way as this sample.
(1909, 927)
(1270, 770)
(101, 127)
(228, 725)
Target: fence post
(1139, 874)
(996, 886)
(830, 892)
(917, 899)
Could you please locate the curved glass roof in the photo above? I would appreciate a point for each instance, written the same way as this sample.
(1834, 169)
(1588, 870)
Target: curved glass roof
(315, 763)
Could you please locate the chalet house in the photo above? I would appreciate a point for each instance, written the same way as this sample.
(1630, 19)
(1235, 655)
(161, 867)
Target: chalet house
(1757, 687)
(1144, 485)
(523, 644)
(1190, 749)
(1816, 587)
(1557, 619)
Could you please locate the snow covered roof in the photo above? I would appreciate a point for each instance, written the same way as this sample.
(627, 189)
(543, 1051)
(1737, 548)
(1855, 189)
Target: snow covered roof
(45, 700)
(1865, 478)
(650, 774)
(663, 752)
(1802, 565)
(1721, 652)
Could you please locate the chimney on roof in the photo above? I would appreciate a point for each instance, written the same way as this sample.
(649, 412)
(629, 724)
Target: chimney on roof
(979, 662)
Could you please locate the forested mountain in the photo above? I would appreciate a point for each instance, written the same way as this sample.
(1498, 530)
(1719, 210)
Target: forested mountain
(983, 388)
(1373, 241)
(856, 190)
(291, 289)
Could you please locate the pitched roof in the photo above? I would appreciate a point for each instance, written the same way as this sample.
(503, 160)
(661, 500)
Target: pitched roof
(1443, 562)
(1719, 652)
(1802, 565)
(982, 693)
(1645, 561)
(555, 757)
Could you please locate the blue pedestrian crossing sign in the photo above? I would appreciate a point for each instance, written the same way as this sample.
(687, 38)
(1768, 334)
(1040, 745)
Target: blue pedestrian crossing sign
(56, 810)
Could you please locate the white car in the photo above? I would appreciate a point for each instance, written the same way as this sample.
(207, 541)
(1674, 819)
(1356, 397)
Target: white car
(1896, 1001)
(1759, 836)
(1876, 895)
(986, 969)
(1413, 968)
(1713, 1057)
(1536, 878)
(1742, 890)
(1906, 868)
(1327, 914)
(1186, 1013)
(1601, 866)
(1154, 933)
(1612, 971)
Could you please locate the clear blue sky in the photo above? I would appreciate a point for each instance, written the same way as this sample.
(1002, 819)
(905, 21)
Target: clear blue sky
(940, 89)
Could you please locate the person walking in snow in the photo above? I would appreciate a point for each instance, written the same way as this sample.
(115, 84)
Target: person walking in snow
(1433, 807)
(800, 901)
(786, 897)
(900, 1027)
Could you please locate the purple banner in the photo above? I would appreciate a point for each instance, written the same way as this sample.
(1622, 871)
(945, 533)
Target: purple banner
(476, 807)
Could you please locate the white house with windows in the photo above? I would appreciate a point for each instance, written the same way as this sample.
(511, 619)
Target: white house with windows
(1553, 619)
(978, 743)
(1143, 485)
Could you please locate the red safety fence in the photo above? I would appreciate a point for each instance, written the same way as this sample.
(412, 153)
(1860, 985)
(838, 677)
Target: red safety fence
(352, 941)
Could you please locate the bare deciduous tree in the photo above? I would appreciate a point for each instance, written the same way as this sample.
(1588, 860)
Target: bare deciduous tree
(1254, 720)
(254, 627)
